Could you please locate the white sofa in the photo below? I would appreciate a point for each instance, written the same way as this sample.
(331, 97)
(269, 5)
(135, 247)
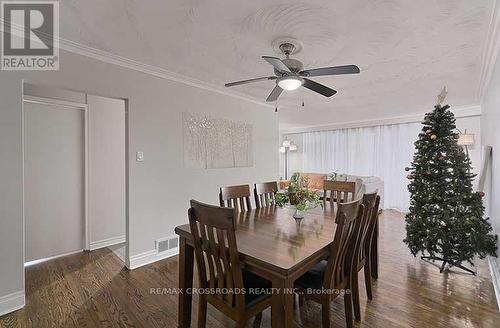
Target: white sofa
(368, 184)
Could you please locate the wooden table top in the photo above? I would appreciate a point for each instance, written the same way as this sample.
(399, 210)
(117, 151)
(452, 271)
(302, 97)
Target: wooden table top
(270, 236)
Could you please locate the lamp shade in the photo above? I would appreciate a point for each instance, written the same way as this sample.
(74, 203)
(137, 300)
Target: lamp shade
(286, 143)
(293, 147)
(282, 149)
(465, 140)
(290, 83)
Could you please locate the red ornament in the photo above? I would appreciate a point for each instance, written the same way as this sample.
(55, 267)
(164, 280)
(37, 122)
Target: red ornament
(442, 158)
(410, 176)
(481, 194)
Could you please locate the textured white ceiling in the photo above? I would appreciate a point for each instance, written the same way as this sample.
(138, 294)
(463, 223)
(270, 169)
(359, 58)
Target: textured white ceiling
(406, 49)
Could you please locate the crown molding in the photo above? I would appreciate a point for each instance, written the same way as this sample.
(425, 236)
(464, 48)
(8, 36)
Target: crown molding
(460, 112)
(107, 57)
(491, 49)
(110, 58)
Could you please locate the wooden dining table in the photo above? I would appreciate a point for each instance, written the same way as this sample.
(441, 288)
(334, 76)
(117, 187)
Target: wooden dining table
(272, 245)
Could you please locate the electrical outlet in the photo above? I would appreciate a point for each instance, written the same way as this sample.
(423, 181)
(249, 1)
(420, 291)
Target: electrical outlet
(139, 156)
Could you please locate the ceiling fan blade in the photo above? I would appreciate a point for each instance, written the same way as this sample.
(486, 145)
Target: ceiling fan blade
(319, 88)
(335, 70)
(273, 96)
(232, 84)
(277, 63)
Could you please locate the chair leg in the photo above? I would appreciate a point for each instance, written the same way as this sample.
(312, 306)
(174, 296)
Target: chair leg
(202, 312)
(348, 309)
(368, 281)
(301, 300)
(258, 320)
(325, 313)
(355, 295)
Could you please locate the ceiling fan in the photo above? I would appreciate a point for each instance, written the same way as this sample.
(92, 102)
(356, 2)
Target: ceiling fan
(289, 74)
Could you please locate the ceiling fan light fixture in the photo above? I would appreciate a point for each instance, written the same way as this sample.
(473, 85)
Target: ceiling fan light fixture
(290, 83)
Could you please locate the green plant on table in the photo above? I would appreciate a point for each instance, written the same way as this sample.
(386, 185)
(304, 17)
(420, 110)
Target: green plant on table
(298, 194)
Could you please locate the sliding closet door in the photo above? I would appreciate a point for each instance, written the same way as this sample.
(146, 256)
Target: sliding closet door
(54, 139)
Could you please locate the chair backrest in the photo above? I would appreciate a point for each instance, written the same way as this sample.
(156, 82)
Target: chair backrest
(237, 197)
(342, 252)
(264, 193)
(214, 238)
(371, 202)
(339, 191)
(364, 228)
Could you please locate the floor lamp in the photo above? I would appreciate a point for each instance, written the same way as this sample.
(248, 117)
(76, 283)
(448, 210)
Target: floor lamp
(466, 139)
(286, 147)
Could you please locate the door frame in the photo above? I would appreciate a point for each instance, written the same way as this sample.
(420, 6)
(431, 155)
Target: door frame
(69, 105)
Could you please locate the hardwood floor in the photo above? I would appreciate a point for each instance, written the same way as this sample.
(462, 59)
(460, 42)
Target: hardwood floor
(95, 290)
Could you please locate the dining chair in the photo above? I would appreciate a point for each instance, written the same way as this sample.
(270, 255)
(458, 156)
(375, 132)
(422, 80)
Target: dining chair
(331, 278)
(237, 197)
(339, 191)
(264, 193)
(217, 259)
(365, 228)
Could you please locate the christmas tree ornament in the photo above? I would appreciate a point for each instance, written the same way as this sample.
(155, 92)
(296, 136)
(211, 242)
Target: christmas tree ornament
(481, 194)
(446, 219)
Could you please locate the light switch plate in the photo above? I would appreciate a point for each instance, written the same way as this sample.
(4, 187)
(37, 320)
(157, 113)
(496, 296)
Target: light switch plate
(139, 156)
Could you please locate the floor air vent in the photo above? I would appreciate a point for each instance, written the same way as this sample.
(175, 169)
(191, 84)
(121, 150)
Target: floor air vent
(166, 244)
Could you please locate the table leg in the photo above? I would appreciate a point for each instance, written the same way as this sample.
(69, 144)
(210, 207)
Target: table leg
(282, 304)
(374, 252)
(186, 265)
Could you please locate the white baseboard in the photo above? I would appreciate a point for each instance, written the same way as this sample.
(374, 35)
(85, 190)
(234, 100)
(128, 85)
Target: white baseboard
(149, 257)
(495, 277)
(12, 302)
(107, 242)
(34, 262)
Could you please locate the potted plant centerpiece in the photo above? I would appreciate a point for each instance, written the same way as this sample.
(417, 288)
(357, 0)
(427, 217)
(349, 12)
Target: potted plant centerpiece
(299, 196)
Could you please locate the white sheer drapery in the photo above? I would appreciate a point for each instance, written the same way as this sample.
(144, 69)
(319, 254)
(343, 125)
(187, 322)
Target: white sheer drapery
(382, 151)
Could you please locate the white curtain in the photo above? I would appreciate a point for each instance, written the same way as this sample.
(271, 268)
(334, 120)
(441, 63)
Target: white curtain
(382, 151)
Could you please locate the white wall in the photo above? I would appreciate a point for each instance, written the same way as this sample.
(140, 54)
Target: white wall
(54, 174)
(107, 200)
(490, 124)
(11, 197)
(160, 187)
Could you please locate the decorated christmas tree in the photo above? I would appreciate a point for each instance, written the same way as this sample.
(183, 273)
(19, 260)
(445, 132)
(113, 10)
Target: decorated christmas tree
(446, 217)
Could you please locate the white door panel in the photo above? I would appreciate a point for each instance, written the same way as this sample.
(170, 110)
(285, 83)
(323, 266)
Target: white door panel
(54, 140)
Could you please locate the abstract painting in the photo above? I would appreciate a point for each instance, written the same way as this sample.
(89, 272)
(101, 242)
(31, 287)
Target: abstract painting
(216, 143)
